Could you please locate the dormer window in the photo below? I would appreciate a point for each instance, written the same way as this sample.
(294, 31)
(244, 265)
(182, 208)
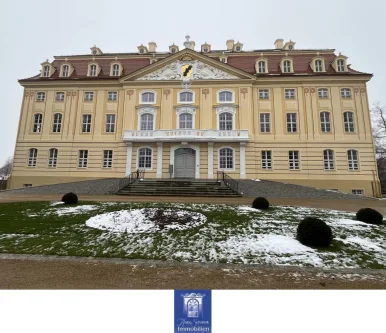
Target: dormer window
(287, 66)
(318, 66)
(115, 70)
(141, 51)
(92, 70)
(46, 71)
(205, 48)
(94, 52)
(340, 65)
(261, 66)
(238, 48)
(223, 59)
(65, 70)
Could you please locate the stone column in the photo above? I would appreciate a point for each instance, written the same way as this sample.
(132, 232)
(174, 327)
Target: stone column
(210, 160)
(159, 159)
(129, 158)
(242, 160)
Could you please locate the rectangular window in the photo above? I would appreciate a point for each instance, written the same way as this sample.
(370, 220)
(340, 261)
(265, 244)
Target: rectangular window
(352, 160)
(325, 123)
(293, 160)
(40, 97)
(38, 119)
(349, 122)
(266, 159)
(345, 92)
(86, 123)
(263, 93)
(265, 126)
(32, 158)
(323, 93)
(27, 185)
(88, 96)
(110, 123)
(83, 157)
(291, 123)
(112, 96)
(107, 158)
(57, 125)
(289, 93)
(59, 96)
(144, 158)
(357, 192)
(53, 158)
(328, 156)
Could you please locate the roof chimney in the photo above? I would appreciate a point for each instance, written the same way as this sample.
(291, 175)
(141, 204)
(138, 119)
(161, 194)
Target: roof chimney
(279, 43)
(230, 43)
(152, 47)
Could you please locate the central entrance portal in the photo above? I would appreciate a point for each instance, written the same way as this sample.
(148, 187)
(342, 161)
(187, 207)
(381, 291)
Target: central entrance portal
(184, 163)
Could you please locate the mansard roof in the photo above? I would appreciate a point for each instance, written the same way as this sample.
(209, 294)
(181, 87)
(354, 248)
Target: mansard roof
(244, 61)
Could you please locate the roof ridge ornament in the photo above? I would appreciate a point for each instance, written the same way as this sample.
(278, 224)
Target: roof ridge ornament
(187, 43)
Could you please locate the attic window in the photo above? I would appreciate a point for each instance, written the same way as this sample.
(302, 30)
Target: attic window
(206, 49)
(238, 48)
(46, 71)
(223, 60)
(94, 52)
(290, 47)
(173, 50)
(141, 51)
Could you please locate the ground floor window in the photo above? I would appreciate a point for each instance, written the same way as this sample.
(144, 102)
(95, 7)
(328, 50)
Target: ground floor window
(32, 157)
(357, 192)
(144, 158)
(266, 160)
(226, 158)
(83, 158)
(293, 159)
(107, 158)
(53, 158)
(328, 156)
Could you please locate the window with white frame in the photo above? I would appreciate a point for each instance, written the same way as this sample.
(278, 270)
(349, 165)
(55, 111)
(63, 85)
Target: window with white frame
(318, 66)
(38, 120)
(148, 97)
(265, 124)
(325, 122)
(92, 70)
(328, 158)
(65, 70)
(32, 157)
(144, 158)
(341, 65)
(147, 122)
(263, 93)
(86, 123)
(107, 158)
(112, 96)
(88, 96)
(186, 121)
(40, 97)
(185, 97)
(115, 70)
(345, 93)
(352, 160)
(46, 71)
(59, 97)
(266, 159)
(110, 123)
(225, 96)
(226, 158)
(262, 66)
(289, 93)
(348, 118)
(323, 93)
(293, 160)
(287, 66)
(225, 121)
(292, 126)
(357, 192)
(83, 159)
(57, 125)
(52, 158)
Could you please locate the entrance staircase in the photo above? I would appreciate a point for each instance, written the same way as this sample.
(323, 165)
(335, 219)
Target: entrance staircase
(178, 187)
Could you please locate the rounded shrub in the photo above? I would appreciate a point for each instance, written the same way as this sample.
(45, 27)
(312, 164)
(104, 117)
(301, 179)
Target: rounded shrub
(70, 198)
(369, 215)
(260, 203)
(314, 232)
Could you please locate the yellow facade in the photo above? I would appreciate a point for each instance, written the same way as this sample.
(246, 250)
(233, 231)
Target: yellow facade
(309, 140)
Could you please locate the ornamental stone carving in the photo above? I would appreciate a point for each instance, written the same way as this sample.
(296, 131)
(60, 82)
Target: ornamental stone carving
(226, 108)
(186, 109)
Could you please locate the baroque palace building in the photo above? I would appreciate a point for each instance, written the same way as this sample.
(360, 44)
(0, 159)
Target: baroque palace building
(283, 114)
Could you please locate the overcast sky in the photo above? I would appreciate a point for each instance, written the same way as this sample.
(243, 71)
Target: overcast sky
(32, 31)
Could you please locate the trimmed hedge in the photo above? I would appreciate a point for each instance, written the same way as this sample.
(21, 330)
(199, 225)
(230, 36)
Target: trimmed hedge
(314, 232)
(70, 198)
(260, 203)
(370, 216)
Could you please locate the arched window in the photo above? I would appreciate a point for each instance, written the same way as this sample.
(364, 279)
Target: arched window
(92, 70)
(65, 70)
(262, 66)
(46, 71)
(328, 157)
(186, 121)
(325, 122)
(287, 66)
(352, 160)
(57, 125)
(148, 97)
(340, 65)
(226, 121)
(348, 118)
(144, 158)
(225, 97)
(226, 160)
(52, 158)
(37, 126)
(186, 97)
(147, 122)
(115, 70)
(32, 157)
(318, 66)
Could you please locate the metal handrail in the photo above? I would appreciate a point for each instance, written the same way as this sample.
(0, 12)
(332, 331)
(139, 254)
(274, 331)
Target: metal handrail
(228, 181)
(138, 174)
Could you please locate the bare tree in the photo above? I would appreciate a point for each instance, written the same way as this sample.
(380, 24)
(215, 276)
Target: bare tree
(378, 113)
(7, 167)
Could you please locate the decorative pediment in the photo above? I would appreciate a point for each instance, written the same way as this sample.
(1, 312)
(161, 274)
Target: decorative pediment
(194, 69)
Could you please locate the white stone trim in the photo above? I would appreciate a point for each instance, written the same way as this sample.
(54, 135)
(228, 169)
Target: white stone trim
(195, 147)
(129, 158)
(226, 109)
(223, 90)
(159, 159)
(242, 160)
(218, 159)
(146, 109)
(210, 160)
(147, 91)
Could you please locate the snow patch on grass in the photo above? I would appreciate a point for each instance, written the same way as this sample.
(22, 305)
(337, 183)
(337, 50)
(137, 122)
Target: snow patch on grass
(74, 210)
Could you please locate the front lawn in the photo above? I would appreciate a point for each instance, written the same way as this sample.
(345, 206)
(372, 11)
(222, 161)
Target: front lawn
(226, 234)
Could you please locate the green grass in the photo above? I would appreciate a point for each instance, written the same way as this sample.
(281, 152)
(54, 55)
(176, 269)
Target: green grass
(228, 236)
